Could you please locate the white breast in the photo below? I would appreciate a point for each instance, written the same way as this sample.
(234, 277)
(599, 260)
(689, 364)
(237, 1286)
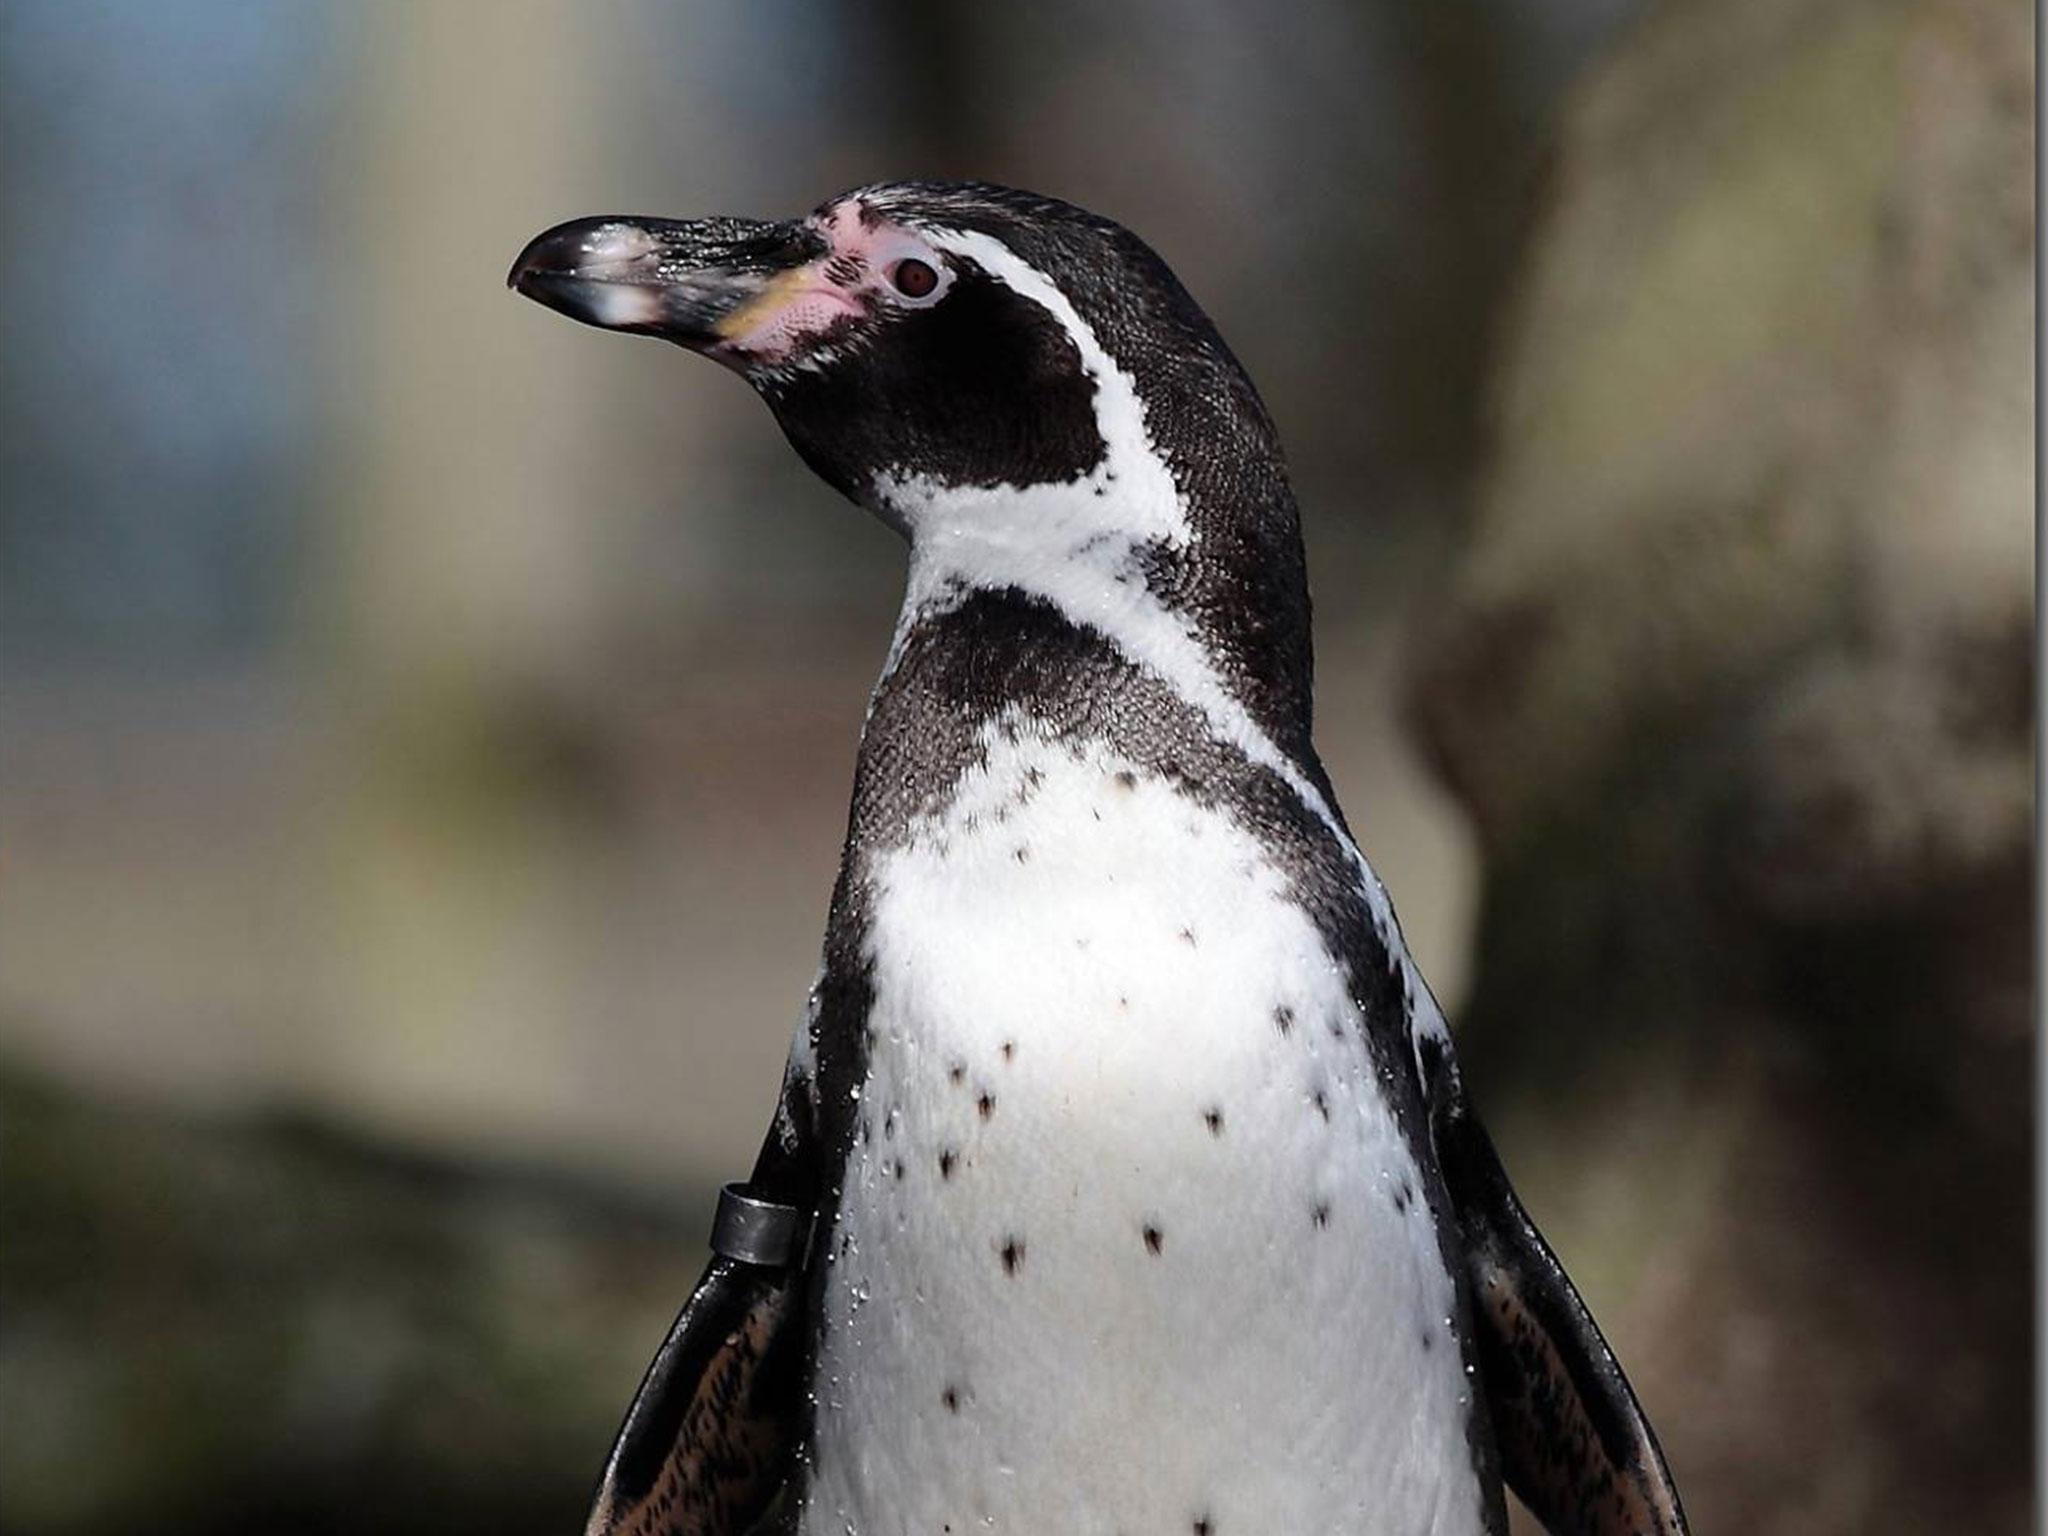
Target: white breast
(1129, 1241)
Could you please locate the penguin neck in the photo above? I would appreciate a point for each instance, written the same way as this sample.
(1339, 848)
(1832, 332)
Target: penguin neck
(1210, 601)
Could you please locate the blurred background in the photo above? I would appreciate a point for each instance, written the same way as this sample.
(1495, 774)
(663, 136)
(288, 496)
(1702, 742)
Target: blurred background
(425, 726)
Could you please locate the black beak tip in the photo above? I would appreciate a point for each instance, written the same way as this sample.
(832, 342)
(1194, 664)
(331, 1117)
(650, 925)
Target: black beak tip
(553, 252)
(649, 277)
(585, 269)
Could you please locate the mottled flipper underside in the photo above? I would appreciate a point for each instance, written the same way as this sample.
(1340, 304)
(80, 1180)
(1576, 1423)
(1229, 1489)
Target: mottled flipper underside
(706, 1445)
(1574, 1443)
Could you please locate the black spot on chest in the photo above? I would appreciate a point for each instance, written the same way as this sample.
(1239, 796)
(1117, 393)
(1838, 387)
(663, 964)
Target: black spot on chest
(1005, 656)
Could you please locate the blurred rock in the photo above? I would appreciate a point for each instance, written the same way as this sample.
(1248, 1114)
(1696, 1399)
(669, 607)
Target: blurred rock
(273, 1325)
(1736, 680)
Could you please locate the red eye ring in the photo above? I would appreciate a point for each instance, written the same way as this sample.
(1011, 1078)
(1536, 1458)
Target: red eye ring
(914, 279)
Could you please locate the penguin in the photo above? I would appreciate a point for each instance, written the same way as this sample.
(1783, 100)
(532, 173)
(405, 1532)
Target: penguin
(1122, 1178)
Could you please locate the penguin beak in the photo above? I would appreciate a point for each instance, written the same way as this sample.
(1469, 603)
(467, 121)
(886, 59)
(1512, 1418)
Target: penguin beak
(701, 283)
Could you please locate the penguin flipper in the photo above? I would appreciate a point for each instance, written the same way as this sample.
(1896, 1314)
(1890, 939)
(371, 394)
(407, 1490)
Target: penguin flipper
(706, 1445)
(1574, 1443)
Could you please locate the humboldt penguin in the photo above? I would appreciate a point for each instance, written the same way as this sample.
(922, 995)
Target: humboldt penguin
(1122, 1178)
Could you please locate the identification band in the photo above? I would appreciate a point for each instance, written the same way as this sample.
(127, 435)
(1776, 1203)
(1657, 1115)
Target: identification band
(756, 1231)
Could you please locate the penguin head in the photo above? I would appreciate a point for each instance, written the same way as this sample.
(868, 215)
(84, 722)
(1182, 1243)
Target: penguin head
(930, 349)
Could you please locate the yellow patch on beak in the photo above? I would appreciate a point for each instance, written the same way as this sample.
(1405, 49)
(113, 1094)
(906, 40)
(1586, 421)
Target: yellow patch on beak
(763, 306)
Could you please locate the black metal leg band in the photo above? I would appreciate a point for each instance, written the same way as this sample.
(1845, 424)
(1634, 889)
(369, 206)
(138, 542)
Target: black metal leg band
(757, 1231)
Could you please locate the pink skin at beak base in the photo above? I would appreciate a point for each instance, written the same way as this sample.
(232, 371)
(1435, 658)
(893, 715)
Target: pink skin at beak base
(804, 303)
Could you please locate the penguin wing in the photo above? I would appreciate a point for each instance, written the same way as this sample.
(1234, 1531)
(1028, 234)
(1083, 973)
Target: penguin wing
(1574, 1443)
(707, 1446)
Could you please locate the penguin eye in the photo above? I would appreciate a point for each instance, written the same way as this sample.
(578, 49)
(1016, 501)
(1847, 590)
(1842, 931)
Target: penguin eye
(914, 279)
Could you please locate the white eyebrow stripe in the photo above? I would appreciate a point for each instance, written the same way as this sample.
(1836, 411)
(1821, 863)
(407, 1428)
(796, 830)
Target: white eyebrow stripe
(1148, 499)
